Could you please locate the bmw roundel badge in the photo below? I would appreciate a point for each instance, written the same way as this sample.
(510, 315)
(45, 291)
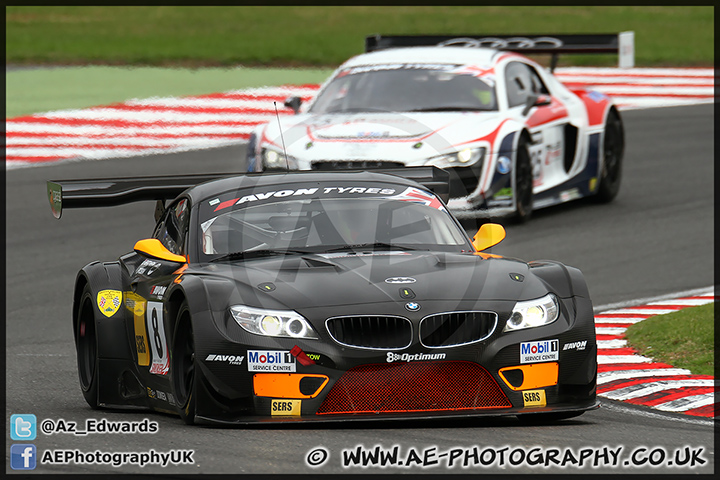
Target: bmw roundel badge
(412, 306)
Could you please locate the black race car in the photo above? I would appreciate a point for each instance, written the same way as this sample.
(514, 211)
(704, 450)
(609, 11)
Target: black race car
(312, 296)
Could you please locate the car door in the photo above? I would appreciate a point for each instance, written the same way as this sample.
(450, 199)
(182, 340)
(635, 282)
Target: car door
(553, 139)
(148, 284)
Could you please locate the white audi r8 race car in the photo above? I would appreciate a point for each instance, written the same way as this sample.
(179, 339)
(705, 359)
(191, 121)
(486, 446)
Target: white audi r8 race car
(513, 137)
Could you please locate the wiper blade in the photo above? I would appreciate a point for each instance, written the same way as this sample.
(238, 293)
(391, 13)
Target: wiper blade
(257, 253)
(373, 246)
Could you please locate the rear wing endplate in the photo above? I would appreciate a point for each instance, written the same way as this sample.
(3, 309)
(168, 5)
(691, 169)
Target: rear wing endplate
(106, 192)
(621, 43)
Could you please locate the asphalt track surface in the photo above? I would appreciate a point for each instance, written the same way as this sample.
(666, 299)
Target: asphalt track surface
(655, 239)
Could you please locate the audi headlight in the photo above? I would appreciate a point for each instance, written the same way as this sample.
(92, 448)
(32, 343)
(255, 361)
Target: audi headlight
(533, 313)
(272, 323)
(273, 159)
(463, 158)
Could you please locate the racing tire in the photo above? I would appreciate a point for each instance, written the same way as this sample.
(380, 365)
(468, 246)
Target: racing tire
(523, 183)
(613, 149)
(183, 365)
(86, 346)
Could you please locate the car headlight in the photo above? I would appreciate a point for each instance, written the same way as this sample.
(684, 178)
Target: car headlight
(462, 158)
(273, 159)
(272, 323)
(533, 313)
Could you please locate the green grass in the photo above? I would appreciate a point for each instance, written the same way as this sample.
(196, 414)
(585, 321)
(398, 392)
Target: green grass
(198, 50)
(683, 339)
(326, 36)
(42, 90)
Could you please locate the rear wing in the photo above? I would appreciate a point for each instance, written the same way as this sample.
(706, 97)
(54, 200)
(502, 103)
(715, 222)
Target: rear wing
(621, 43)
(107, 192)
(433, 178)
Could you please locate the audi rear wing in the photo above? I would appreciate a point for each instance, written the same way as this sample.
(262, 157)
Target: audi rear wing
(621, 43)
(107, 192)
(433, 178)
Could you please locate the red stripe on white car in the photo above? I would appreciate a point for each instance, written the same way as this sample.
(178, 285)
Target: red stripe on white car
(206, 121)
(624, 374)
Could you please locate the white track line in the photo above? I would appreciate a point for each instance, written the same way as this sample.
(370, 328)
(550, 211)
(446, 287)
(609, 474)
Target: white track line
(205, 119)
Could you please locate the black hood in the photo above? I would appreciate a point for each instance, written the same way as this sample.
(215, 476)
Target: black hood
(298, 282)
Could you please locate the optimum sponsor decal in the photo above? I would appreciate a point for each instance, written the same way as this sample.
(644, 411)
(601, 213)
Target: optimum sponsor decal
(411, 357)
(270, 361)
(542, 351)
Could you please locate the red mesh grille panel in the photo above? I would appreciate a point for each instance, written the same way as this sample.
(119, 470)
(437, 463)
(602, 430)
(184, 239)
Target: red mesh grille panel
(414, 387)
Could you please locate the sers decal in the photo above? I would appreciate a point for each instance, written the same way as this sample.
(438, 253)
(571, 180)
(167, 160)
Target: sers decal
(109, 301)
(285, 407)
(136, 304)
(158, 340)
(534, 398)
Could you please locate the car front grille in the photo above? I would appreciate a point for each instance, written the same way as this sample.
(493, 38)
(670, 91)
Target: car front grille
(414, 387)
(379, 332)
(354, 164)
(456, 328)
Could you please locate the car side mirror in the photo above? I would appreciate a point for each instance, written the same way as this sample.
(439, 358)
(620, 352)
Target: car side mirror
(489, 234)
(294, 103)
(151, 247)
(536, 101)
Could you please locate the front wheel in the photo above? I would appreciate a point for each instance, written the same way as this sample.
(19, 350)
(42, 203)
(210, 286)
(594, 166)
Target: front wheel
(613, 149)
(523, 183)
(183, 365)
(87, 350)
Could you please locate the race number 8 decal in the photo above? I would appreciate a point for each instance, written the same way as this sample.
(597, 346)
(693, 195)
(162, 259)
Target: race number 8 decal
(158, 344)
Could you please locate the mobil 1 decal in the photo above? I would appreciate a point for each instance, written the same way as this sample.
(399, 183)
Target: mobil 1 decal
(270, 361)
(541, 351)
(156, 338)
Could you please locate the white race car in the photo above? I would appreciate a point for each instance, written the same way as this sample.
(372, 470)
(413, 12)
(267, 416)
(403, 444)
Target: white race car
(512, 136)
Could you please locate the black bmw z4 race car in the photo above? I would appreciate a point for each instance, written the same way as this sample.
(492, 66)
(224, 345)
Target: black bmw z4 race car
(323, 296)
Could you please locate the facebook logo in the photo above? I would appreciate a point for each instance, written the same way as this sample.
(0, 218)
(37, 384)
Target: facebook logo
(23, 427)
(22, 457)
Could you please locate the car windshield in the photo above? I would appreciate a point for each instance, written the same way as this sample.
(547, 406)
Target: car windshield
(408, 88)
(411, 220)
